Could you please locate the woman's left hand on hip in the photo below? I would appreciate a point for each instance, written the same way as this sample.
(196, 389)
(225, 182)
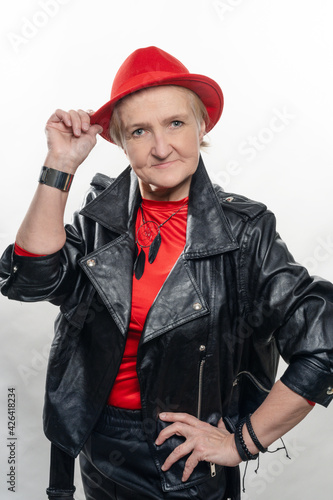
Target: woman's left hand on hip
(203, 441)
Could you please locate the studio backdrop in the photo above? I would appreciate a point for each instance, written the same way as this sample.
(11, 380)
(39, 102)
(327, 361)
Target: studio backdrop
(273, 144)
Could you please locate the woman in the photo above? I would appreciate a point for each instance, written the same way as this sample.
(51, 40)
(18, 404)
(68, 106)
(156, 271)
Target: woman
(176, 300)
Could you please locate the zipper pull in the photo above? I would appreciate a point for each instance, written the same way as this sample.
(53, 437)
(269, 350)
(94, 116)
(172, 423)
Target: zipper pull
(212, 469)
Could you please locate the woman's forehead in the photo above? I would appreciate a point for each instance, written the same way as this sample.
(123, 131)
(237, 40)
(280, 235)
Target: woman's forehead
(161, 95)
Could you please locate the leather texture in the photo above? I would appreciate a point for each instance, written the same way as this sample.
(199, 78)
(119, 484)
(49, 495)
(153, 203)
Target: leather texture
(234, 301)
(117, 453)
(61, 481)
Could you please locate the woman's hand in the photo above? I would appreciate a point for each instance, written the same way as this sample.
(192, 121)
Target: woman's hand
(202, 440)
(70, 138)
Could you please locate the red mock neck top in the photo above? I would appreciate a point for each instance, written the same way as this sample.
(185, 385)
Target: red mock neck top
(126, 391)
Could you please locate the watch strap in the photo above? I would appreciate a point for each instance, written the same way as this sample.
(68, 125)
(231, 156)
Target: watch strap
(55, 178)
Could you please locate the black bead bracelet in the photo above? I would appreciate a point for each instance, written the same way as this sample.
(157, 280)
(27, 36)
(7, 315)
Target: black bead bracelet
(242, 449)
(239, 447)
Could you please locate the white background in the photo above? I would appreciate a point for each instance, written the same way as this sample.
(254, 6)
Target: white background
(271, 58)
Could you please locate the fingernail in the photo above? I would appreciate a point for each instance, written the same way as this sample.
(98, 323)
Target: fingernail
(85, 126)
(162, 415)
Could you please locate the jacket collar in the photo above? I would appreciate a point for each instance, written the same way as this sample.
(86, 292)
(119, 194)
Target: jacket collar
(116, 206)
(208, 232)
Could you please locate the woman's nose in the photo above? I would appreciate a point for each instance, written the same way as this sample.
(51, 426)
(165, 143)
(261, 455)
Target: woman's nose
(161, 147)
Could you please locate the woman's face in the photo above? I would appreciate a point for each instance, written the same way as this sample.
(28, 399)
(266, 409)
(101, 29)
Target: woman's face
(162, 141)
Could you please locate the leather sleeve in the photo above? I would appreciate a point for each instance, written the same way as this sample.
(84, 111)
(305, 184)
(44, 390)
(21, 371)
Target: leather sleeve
(288, 307)
(50, 277)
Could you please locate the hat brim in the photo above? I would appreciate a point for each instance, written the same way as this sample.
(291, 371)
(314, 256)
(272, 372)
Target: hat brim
(207, 89)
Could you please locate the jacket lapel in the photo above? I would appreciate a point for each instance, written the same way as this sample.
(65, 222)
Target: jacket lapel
(110, 266)
(208, 233)
(179, 301)
(110, 270)
(115, 208)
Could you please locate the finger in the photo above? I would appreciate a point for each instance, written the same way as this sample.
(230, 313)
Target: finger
(85, 120)
(61, 116)
(95, 129)
(177, 428)
(190, 465)
(76, 122)
(181, 417)
(179, 452)
(185, 421)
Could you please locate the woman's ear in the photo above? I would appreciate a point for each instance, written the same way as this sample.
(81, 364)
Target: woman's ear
(202, 131)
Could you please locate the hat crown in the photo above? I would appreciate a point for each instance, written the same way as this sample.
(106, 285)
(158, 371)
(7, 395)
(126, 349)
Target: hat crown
(145, 64)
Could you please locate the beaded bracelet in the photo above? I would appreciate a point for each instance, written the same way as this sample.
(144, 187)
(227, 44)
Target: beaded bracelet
(242, 449)
(253, 434)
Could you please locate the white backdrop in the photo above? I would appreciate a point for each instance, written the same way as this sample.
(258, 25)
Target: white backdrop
(273, 61)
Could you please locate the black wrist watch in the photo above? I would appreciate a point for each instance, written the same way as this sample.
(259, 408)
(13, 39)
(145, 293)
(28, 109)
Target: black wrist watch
(55, 178)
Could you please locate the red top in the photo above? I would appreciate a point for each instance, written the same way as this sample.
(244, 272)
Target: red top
(126, 391)
(24, 253)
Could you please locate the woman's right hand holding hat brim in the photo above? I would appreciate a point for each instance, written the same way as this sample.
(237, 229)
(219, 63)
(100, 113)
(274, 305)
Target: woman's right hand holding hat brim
(70, 138)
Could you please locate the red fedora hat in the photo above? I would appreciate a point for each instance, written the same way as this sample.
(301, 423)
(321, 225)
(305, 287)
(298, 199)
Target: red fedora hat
(150, 67)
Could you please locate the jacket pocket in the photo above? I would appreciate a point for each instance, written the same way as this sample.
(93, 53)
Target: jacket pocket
(248, 393)
(251, 378)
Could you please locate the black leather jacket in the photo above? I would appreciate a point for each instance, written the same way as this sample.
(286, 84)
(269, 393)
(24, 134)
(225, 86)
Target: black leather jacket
(233, 302)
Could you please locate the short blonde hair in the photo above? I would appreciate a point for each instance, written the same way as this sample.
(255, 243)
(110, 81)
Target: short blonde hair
(199, 110)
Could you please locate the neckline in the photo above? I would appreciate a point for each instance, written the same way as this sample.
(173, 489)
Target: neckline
(163, 205)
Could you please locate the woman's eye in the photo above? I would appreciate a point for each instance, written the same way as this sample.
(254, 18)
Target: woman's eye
(176, 123)
(138, 132)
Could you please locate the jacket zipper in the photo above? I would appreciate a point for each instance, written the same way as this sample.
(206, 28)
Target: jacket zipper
(202, 349)
(253, 378)
(201, 369)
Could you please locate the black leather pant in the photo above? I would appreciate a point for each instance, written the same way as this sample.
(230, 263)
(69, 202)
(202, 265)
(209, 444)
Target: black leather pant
(116, 464)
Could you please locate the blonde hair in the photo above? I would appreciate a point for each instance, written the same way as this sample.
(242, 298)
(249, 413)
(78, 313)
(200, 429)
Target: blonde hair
(199, 110)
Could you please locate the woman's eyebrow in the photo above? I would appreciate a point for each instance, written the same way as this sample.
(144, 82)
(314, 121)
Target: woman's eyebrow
(137, 125)
(144, 124)
(179, 116)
